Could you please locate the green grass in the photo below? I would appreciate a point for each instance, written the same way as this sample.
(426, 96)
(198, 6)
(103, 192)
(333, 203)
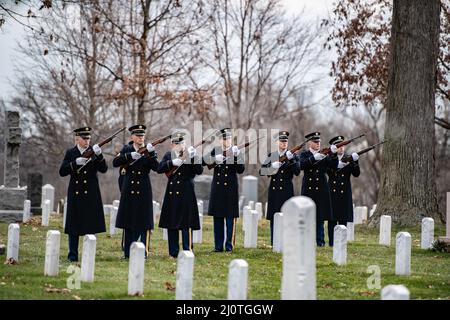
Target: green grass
(430, 277)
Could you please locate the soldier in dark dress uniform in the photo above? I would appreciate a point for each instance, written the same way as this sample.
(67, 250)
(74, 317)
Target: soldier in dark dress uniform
(135, 214)
(315, 184)
(281, 174)
(224, 197)
(341, 188)
(84, 201)
(179, 210)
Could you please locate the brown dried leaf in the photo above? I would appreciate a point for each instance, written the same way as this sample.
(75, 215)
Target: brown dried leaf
(169, 286)
(11, 261)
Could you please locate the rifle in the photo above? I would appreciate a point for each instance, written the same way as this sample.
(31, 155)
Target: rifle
(327, 150)
(143, 151)
(295, 149)
(348, 158)
(226, 154)
(89, 153)
(175, 169)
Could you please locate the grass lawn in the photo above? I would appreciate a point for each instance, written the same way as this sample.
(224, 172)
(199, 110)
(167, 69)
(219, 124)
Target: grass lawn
(430, 277)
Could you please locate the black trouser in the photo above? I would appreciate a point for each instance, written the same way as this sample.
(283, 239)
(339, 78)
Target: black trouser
(271, 231)
(331, 225)
(131, 236)
(173, 236)
(219, 233)
(73, 247)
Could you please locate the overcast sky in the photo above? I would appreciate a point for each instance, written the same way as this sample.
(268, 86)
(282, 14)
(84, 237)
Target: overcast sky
(12, 32)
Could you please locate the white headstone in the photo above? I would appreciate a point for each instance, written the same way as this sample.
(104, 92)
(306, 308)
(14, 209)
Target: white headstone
(403, 254)
(427, 233)
(245, 217)
(185, 274)
(112, 221)
(251, 233)
(197, 235)
(136, 269)
(250, 188)
(26, 211)
(350, 231)
(385, 230)
(12, 250)
(340, 245)
(52, 245)
(107, 208)
(258, 208)
(360, 215)
(395, 292)
(265, 210)
(299, 249)
(241, 205)
(277, 232)
(447, 228)
(88, 258)
(237, 280)
(48, 193)
(64, 214)
(154, 212)
(116, 203)
(372, 211)
(45, 213)
(165, 234)
(251, 204)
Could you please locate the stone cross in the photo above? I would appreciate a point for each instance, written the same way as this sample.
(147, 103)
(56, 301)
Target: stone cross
(277, 232)
(48, 193)
(88, 258)
(13, 139)
(350, 231)
(403, 254)
(237, 279)
(185, 274)
(395, 292)
(340, 245)
(52, 245)
(112, 221)
(385, 230)
(299, 249)
(26, 211)
(251, 231)
(45, 213)
(12, 250)
(427, 237)
(250, 188)
(136, 269)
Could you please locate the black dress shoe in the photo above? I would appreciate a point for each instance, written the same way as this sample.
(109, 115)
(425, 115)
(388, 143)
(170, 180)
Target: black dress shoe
(124, 258)
(216, 250)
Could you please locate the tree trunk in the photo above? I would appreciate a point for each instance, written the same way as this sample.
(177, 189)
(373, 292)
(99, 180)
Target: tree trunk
(408, 186)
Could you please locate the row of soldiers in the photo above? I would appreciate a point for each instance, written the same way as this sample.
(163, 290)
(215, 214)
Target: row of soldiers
(179, 211)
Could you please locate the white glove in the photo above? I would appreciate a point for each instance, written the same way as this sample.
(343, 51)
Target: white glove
(289, 155)
(150, 147)
(219, 158)
(97, 149)
(177, 162)
(235, 150)
(319, 156)
(355, 156)
(192, 152)
(135, 155)
(276, 164)
(342, 164)
(81, 161)
(333, 148)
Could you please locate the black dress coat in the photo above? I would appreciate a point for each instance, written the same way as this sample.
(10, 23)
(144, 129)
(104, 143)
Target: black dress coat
(179, 210)
(315, 184)
(136, 201)
(281, 188)
(224, 195)
(84, 201)
(341, 191)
